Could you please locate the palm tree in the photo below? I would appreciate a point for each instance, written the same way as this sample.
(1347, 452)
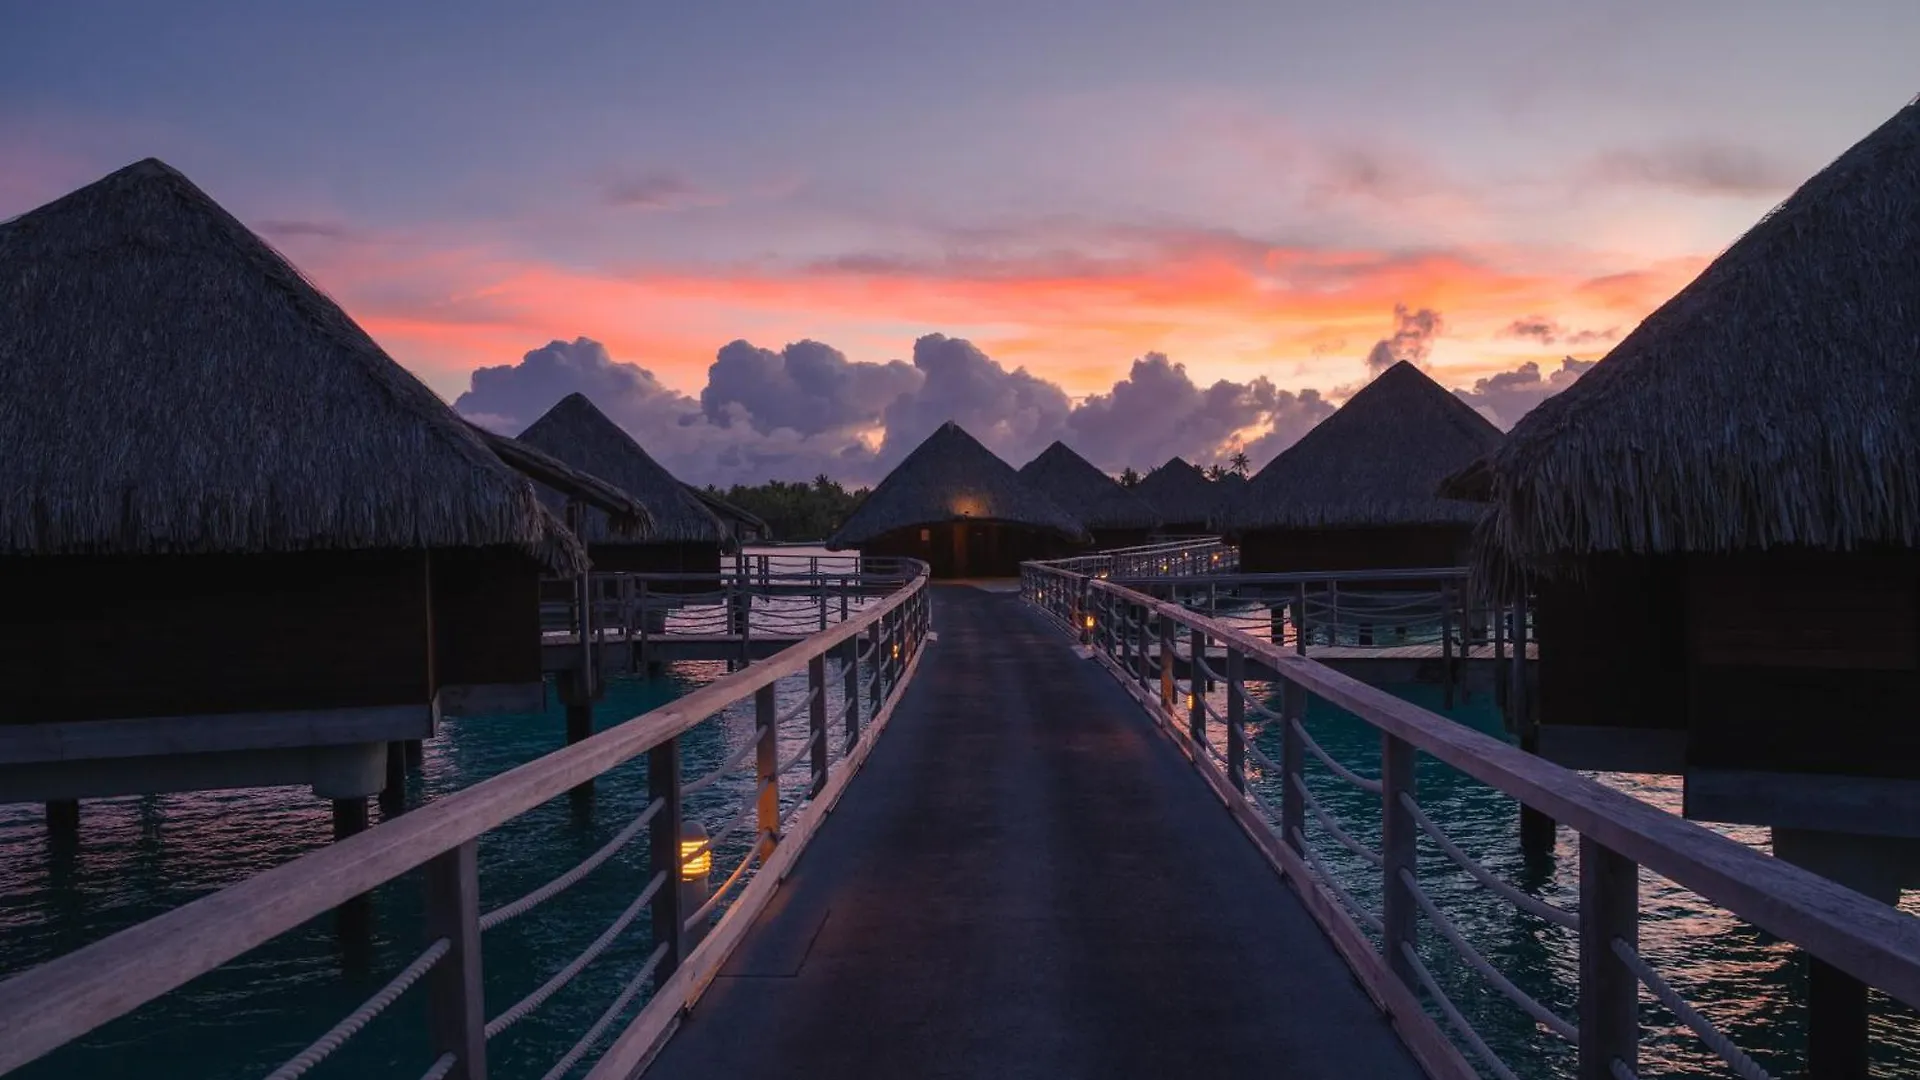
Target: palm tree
(1215, 472)
(1240, 463)
(1129, 478)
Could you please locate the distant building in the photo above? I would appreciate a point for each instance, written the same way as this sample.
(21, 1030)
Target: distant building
(1187, 503)
(960, 508)
(1114, 516)
(239, 544)
(686, 538)
(1358, 491)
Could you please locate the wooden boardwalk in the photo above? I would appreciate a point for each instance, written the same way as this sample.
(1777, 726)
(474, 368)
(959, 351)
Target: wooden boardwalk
(1029, 880)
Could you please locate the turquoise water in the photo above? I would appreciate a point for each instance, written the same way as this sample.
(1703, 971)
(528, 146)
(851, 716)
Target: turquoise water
(1748, 983)
(142, 856)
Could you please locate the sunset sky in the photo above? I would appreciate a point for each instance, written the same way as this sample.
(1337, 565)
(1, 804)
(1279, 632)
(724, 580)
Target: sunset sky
(1247, 188)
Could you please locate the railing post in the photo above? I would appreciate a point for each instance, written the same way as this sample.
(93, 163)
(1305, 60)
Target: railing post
(1333, 612)
(1196, 686)
(1609, 990)
(1300, 618)
(817, 719)
(1140, 645)
(1446, 639)
(767, 768)
(1236, 716)
(1400, 914)
(874, 668)
(1293, 808)
(850, 689)
(1167, 681)
(663, 856)
(457, 1003)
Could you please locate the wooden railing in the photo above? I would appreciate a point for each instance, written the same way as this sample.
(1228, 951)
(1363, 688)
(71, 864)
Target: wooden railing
(759, 596)
(1618, 835)
(693, 930)
(1184, 557)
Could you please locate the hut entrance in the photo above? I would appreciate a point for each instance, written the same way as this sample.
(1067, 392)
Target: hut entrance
(970, 549)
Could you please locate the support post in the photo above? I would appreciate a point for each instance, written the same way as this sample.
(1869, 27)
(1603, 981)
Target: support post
(766, 754)
(456, 997)
(416, 753)
(353, 920)
(1236, 718)
(1536, 828)
(663, 856)
(817, 720)
(63, 820)
(1196, 687)
(850, 689)
(1293, 809)
(1837, 1036)
(1168, 684)
(1300, 619)
(1446, 640)
(576, 693)
(1400, 914)
(1609, 991)
(393, 796)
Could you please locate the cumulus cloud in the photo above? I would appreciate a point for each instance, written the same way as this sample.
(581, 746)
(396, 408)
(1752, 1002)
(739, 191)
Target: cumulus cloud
(808, 387)
(1015, 413)
(1506, 397)
(1157, 412)
(1548, 332)
(1412, 339)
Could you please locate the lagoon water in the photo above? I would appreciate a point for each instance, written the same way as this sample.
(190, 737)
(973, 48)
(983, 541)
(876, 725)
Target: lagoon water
(142, 856)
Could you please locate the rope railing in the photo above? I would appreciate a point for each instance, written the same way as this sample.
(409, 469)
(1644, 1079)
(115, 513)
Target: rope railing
(599, 1028)
(800, 755)
(347, 1028)
(441, 1066)
(1619, 836)
(730, 766)
(565, 881)
(739, 875)
(1532, 905)
(521, 1009)
(1712, 1036)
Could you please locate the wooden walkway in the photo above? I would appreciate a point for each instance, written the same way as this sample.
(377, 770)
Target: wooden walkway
(1028, 880)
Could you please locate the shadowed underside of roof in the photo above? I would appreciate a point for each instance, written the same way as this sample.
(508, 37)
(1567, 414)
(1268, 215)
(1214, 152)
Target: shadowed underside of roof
(1377, 461)
(627, 515)
(951, 477)
(578, 433)
(1774, 401)
(1091, 496)
(170, 384)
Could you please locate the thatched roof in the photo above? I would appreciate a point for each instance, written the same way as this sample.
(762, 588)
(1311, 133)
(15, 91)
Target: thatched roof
(1774, 401)
(951, 477)
(628, 516)
(1096, 499)
(170, 383)
(738, 519)
(578, 433)
(1377, 461)
(1181, 493)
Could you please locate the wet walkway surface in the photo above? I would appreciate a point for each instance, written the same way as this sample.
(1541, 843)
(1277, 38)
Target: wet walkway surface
(1028, 880)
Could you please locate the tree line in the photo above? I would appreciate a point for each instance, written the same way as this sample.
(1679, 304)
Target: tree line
(797, 510)
(1236, 465)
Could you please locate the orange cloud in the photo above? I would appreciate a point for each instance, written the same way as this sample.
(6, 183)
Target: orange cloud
(1226, 306)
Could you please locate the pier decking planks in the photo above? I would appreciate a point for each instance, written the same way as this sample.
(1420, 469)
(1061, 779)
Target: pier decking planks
(1026, 883)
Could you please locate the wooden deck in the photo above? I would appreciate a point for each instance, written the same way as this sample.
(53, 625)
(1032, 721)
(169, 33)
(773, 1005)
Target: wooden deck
(1028, 881)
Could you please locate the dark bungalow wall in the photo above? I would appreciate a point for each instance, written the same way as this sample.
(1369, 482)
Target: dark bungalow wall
(486, 616)
(972, 549)
(1109, 539)
(1787, 661)
(1280, 551)
(703, 559)
(1184, 528)
(86, 638)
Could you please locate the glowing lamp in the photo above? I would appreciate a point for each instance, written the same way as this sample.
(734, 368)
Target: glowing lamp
(896, 650)
(696, 854)
(1089, 622)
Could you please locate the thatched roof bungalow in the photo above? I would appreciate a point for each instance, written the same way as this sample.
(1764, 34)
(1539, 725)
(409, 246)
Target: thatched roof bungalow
(218, 484)
(1721, 519)
(1358, 491)
(1114, 516)
(686, 538)
(743, 525)
(964, 511)
(1187, 503)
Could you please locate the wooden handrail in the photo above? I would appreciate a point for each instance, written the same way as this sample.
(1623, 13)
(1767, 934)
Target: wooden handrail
(48, 1005)
(1874, 943)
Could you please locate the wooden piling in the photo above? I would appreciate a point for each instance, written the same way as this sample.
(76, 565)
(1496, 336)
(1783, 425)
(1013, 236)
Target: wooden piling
(63, 821)
(393, 796)
(353, 920)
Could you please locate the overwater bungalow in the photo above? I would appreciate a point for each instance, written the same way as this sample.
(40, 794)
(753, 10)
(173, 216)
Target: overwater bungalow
(1187, 503)
(240, 545)
(961, 509)
(1114, 516)
(1721, 525)
(687, 537)
(1358, 491)
(743, 525)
